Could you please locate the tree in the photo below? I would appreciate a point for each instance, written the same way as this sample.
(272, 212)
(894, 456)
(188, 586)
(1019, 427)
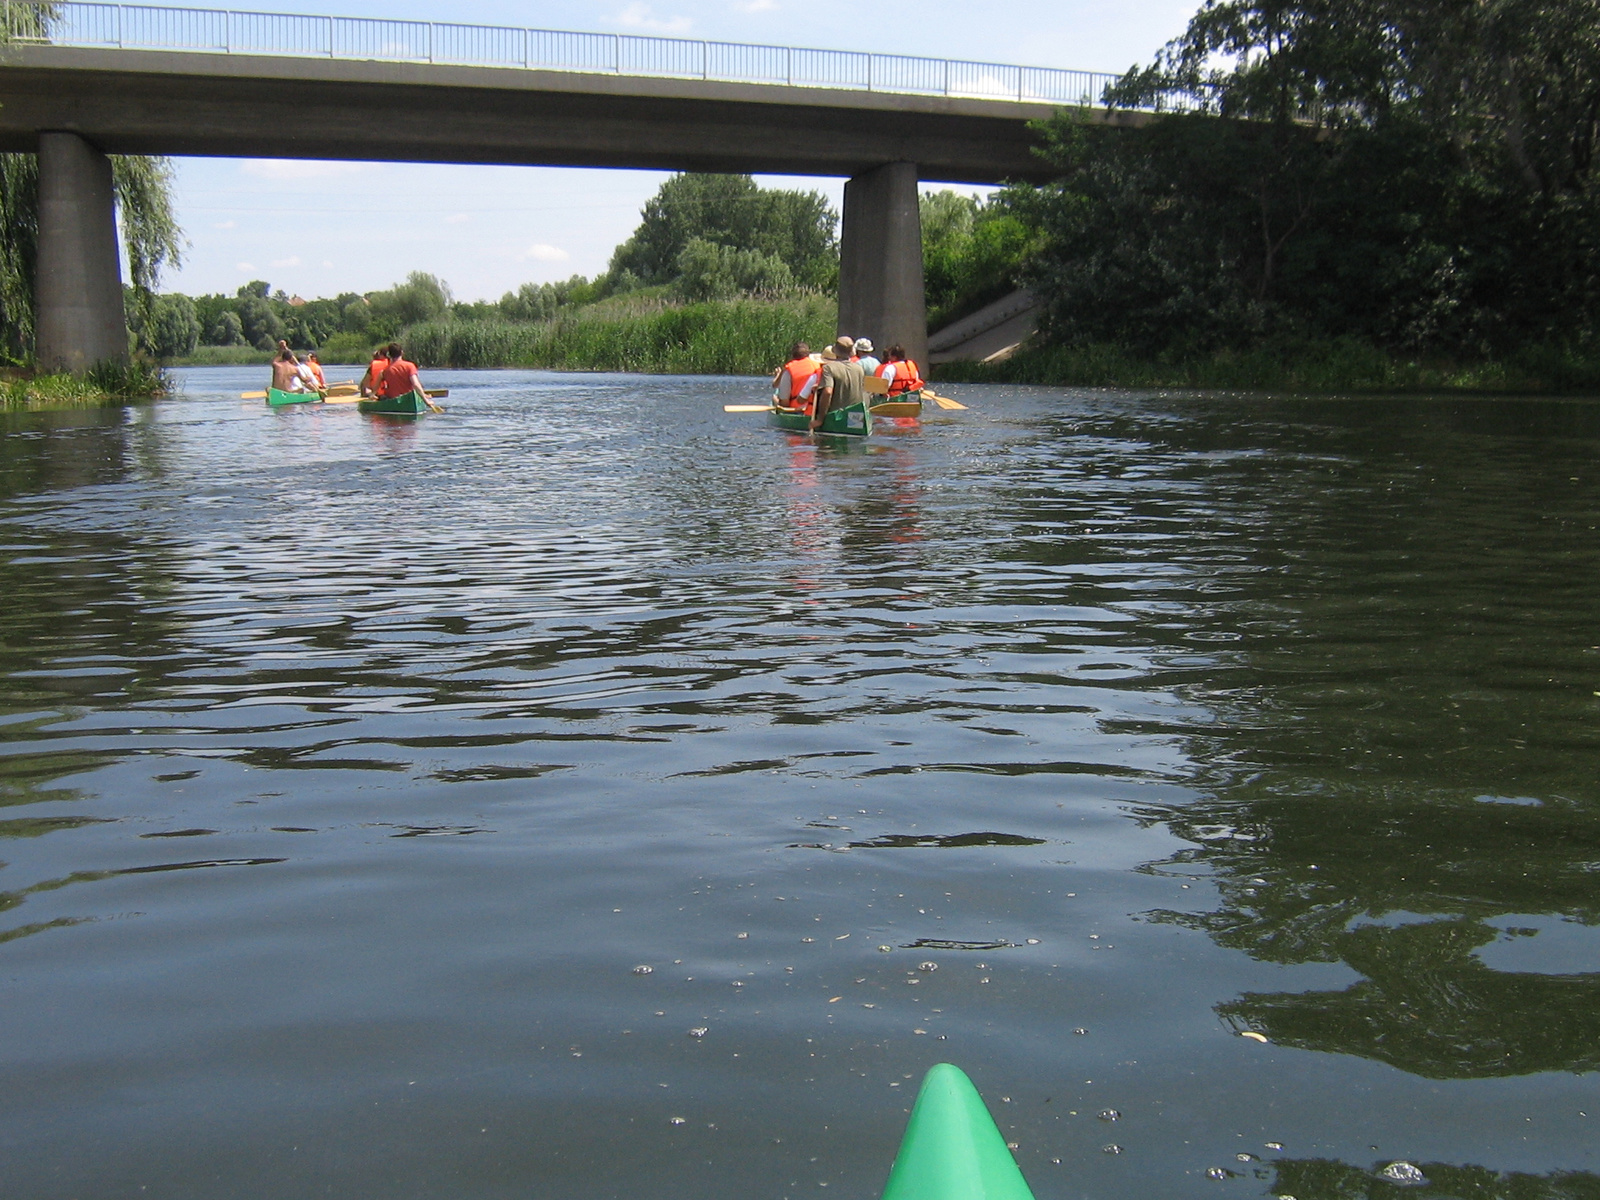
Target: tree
(796, 228)
(1416, 173)
(973, 251)
(709, 271)
(422, 297)
(174, 329)
(228, 330)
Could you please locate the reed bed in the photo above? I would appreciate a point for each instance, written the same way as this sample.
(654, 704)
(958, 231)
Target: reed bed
(740, 337)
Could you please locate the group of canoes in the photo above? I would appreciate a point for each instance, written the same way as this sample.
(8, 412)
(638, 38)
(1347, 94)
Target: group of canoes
(391, 383)
(842, 388)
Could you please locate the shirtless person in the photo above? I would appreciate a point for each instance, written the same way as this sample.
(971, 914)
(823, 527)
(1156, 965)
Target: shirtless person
(286, 371)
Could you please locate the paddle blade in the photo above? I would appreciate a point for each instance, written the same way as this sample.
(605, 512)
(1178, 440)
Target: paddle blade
(952, 1148)
(437, 393)
(252, 395)
(747, 408)
(942, 402)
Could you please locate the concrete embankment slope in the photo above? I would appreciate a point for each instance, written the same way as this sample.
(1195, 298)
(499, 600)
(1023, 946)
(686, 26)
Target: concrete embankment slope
(992, 334)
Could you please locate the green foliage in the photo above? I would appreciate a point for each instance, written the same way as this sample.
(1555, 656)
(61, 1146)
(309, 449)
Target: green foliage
(796, 228)
(709, 271)
(19, 239)
(973, 251)
(1288, 364)
(741, 337)
(347, 348)
(105, 384)
(170, 330)
(541, 301)
(422, 297)
(1418, 177)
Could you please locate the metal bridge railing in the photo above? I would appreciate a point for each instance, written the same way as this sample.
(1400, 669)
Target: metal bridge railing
(147, 27)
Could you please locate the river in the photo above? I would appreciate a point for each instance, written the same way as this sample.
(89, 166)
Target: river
(589, 793)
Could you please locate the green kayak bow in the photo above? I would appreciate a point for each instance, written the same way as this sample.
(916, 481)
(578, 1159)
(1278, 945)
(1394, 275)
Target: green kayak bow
(952, 1149)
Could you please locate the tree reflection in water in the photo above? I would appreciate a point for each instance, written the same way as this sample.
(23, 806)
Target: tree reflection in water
(1405, 894)
(1324, 1179)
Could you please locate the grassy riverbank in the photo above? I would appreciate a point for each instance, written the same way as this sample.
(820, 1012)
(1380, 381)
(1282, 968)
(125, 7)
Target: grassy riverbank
(739, 337)
(1304, 366)
(101, 387)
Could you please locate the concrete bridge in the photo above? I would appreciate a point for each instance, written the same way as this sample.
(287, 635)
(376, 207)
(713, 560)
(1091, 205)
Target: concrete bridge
(77, 86)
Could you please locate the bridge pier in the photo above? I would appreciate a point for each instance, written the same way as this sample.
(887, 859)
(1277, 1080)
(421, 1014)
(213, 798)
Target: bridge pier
(880, 261)
(78, 317)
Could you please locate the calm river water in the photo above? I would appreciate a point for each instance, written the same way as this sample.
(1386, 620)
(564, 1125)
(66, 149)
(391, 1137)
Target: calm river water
(354, 771)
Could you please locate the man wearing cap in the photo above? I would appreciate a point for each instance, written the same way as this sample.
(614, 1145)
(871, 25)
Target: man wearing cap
(841, 384)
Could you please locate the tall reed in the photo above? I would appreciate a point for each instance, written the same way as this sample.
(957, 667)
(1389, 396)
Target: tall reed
(740, 337)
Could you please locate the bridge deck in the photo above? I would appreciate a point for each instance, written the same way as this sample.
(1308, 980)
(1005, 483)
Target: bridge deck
(194, 103)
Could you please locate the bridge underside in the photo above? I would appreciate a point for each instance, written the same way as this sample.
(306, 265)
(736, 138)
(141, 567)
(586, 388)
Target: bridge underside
(179, 103)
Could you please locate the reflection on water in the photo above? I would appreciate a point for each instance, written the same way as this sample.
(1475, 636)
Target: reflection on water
(1066, 738)
(1320, 1179)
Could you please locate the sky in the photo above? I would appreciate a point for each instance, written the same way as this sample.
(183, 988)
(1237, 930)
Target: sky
(321, 228)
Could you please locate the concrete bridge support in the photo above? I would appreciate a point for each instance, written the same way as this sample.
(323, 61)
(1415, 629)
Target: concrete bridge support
(880, 261)
(78, 317)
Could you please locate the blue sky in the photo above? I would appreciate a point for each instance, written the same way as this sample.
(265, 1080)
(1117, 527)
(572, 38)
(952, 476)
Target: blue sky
(321, 228)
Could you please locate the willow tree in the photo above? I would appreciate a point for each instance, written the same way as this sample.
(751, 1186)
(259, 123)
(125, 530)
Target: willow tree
(151, 237)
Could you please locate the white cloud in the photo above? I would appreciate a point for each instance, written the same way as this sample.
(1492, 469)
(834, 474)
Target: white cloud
(244, 266)
(546, 253)
(755, 6)
(458, 218)
(292, 261)
(226, 225)
(642, 16)
(326, 263)
(296, 168)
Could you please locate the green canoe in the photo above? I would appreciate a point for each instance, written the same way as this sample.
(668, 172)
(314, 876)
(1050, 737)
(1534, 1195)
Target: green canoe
(850, 421)
(410, 405)
(277, 399)
(952, 1149)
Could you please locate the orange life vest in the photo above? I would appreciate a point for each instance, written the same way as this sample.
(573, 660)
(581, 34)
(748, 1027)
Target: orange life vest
(905, 376)
(317, 371)
(797, 380)
(375, 370)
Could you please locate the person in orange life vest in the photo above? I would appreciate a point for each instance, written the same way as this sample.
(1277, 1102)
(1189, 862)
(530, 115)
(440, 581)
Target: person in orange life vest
(901, 373)
(375, 370)
(401, 377)
(794, 383)
(315, 368)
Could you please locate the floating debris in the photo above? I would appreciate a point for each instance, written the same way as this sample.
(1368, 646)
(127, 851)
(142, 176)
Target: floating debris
(1245, 1157)
(1110, 1114)
(1254, 1036)
(644, 969)
(808, 939)
(928, 966)
(952, 944)
(699, 1032)
(742, 936)
(1219, 1173)
(1404, 1173)
(678, 1121)
(1274, 1146)
(885, 949)
(1080, 1032)
(1111, 1148)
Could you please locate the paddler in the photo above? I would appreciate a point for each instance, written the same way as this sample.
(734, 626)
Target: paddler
(400, 379)
(286, 371)
(841, 384)
(901, 373)
(795, 381)
(315, 367)
(864, 356)
(375, 370)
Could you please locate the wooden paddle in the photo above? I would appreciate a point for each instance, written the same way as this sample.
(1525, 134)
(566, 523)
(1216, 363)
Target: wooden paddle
(941, 401)
(747, 408)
